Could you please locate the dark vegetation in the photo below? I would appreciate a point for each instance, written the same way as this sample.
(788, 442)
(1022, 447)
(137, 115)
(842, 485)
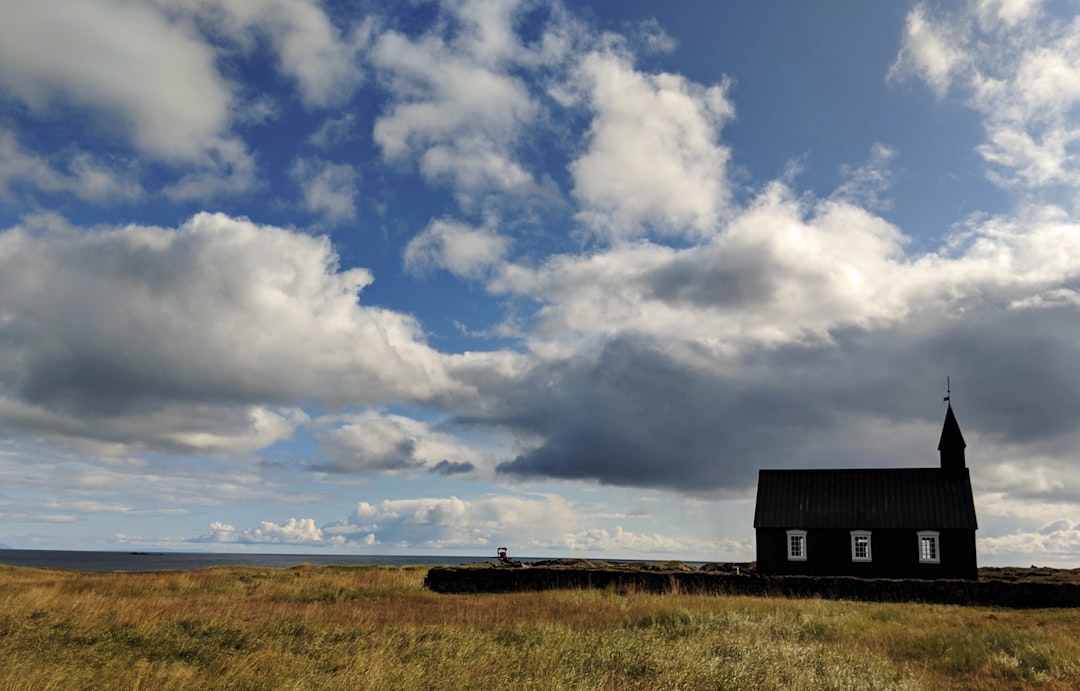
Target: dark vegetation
(1003, 587)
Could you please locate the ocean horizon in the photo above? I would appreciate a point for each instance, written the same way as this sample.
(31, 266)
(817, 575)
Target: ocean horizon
(138, 560)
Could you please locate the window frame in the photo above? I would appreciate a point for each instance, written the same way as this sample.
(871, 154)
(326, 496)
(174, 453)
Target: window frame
(935, 539)
(801, 535)
(855, 536)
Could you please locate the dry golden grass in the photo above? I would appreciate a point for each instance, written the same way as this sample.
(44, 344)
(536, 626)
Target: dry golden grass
(378, 628)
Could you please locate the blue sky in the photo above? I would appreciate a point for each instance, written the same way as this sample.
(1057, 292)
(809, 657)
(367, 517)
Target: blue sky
(281, 275)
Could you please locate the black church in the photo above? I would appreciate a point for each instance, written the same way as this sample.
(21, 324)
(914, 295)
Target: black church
(873, 523)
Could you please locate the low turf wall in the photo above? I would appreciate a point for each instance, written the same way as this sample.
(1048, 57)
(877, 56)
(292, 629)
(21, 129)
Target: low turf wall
(985, 593)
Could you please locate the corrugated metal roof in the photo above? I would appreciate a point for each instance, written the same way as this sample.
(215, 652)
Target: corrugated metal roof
(918, 498)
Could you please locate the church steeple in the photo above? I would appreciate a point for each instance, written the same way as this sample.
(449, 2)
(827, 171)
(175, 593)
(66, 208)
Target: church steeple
(952, 444)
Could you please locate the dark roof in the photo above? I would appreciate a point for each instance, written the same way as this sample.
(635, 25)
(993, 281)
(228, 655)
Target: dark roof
(914, 498)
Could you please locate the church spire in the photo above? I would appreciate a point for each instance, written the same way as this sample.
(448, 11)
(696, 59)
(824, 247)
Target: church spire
(952, 444)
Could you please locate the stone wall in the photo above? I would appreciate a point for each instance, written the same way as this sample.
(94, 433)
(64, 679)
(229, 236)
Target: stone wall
(474, 579)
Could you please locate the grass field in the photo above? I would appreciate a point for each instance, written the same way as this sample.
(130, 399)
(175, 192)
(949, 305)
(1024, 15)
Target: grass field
(378, 628)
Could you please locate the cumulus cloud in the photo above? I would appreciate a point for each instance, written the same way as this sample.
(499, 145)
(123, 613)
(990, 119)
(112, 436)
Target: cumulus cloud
(458, 105)
(295, 531)
(1050, 544)
(451, 522)
(310, 49)
(660, 418)
(462, 250)
(536, 524)
(785, 270)
(172, 97)
(173, 103)
(219, 312)
(698, 366)
(653, 157)
(781, 271)
(379, 442)
(619, 540)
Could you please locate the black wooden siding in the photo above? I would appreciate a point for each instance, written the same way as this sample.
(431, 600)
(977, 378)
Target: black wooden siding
(894, 553)
(893, 503)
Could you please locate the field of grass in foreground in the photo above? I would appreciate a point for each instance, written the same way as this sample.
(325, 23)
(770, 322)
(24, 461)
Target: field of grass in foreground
(378, 628)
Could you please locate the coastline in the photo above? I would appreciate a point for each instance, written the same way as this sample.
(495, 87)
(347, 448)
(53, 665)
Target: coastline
(148, 561)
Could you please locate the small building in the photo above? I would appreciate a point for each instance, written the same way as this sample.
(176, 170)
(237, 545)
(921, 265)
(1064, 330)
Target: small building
(873, 523)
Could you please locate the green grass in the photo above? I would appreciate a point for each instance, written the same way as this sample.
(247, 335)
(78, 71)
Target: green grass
(378, 628)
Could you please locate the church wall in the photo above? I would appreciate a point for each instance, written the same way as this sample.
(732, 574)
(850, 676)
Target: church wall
(894, 552)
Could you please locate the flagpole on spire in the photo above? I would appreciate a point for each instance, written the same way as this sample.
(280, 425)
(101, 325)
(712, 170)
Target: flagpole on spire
(948, 390)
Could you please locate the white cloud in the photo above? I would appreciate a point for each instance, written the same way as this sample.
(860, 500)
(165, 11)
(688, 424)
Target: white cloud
(458, 105)
(309, 47)
(866, 184)
(479, 525)
(171, 97)
(658, 344)
(143, 328)
(1019, 70)
(780, 272)
(295, 531)
(172, 101)
(462, 250)
(530, 525)
(618, 541)
(329, 188)
(379, 442)
(86, 176)
(786, 270)
(1054, 543)
(229, 170)
(653, 158)
(445, 97)
(1008, 12)
(928, 51)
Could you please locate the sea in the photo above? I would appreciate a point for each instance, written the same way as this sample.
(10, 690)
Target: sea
(190, 561)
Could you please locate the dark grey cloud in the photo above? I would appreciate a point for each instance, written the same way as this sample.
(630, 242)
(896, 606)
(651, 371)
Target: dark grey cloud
(638, 415)
(346, 456)
(447, 467)
(713, 279)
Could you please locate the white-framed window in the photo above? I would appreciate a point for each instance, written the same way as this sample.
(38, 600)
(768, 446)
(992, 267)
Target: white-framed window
(929, 547)
(796, 545)
(860, 546)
